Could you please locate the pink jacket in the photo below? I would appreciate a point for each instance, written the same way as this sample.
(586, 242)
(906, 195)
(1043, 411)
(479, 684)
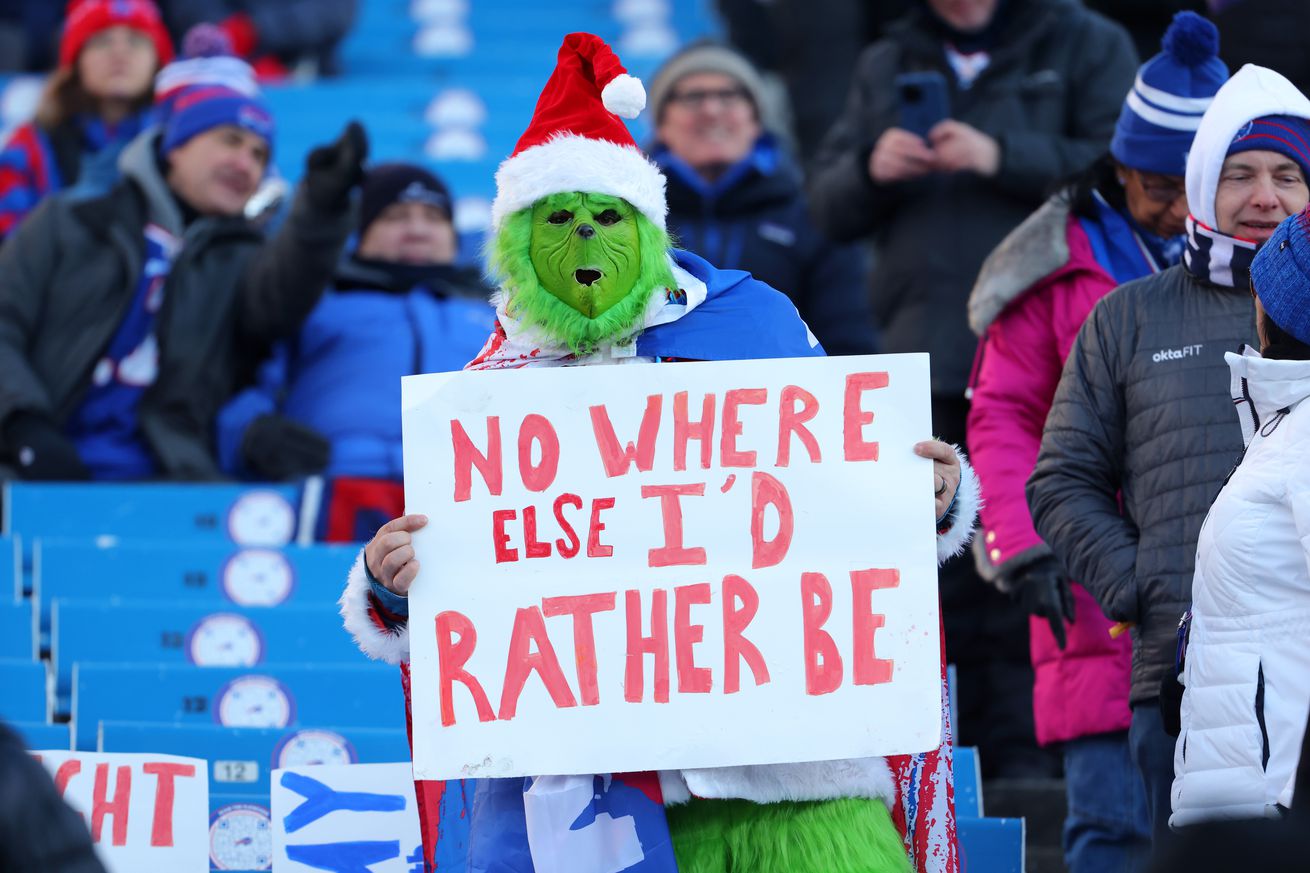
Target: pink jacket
(1031, 298)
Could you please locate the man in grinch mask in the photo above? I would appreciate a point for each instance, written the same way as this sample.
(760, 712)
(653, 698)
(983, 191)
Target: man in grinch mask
(587, 277)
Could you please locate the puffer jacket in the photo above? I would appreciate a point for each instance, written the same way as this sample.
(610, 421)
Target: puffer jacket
(1142, 418)
(1033, 295)
(340, 374)
(1247, 674)
(1049, 97)
(70, 271)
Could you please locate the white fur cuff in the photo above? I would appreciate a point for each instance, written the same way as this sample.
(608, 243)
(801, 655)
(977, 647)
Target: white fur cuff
(968, 500)
(357, 615)
(773, 783)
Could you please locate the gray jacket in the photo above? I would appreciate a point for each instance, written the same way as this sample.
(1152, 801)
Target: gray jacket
(70, 272)
(1050, 98)
(1142, 417)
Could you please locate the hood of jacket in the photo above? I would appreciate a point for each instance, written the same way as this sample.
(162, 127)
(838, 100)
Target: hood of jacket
(447, 280)
(1035, 249)
(1253, 92)
(140, 163)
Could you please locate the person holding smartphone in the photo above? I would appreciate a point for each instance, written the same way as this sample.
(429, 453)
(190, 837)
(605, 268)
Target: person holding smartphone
(1028, 92)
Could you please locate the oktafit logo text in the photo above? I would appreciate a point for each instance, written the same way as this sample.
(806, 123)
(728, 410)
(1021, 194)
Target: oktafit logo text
(1192, 351)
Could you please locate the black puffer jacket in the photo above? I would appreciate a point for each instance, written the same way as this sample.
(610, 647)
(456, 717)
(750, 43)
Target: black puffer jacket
(1142, 414)
(69, 273)
(1049, 97)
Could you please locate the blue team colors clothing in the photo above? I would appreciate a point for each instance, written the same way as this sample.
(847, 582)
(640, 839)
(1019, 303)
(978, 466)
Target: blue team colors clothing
(341, 374)
(105, 427)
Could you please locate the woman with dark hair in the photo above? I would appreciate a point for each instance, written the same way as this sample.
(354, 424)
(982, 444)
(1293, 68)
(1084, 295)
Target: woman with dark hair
(1120, 220)
(1246, 667)
(97, 100)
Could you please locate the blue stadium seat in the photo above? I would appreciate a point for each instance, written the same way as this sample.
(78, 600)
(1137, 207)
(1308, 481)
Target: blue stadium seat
(210, 574)
(241, 759)
(38, 735)
(263, 515)
(365, 694)
(17, 630)
(11, 568)
(89, 631)
(991, 845)
(968, 783)
(25, 698)
(240, 832)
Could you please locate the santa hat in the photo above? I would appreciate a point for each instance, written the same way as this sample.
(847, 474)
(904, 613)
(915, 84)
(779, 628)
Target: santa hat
(577, 142)
(88, 17)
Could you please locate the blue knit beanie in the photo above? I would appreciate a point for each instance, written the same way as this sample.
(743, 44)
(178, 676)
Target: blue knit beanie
(1285, 134)
(205, 107)
(1281, 276)
(1172, 92)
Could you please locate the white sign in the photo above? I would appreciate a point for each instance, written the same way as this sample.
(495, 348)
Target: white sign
(145, 812)
(674, 566)
(345, 817)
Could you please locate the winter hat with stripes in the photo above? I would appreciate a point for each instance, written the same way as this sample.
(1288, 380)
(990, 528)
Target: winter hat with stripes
(1172, 92)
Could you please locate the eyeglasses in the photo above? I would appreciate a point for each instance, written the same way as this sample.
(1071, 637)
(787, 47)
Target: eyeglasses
(1161, 190)
(728, 97)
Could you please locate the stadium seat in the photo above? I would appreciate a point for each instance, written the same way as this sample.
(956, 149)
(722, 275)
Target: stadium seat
(991, 845)
(211, 574)
(25, 697)
(241, 834)
(103, 630)
(17, 630)
(968, 783)
(364, 694)
(241, 759)
(11, 568)
(257, 516)
(37, 735)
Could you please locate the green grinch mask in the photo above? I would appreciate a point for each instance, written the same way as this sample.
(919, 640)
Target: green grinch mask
(581, 267)
(585, 249)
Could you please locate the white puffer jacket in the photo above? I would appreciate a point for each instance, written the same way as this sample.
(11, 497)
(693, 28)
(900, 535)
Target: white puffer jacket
(1247, 672)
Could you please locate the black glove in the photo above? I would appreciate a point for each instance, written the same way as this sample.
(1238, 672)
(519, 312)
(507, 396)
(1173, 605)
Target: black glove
(39, 450)
(332, 171)
(278, 448)
(1042, 589)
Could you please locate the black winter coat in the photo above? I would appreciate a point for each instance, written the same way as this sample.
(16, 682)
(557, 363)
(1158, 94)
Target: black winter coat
(761, 225)
(70, 272)
(38, 830)
(1050, 98)
(1143, 416)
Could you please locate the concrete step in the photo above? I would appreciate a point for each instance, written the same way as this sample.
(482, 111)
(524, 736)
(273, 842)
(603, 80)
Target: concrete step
(1042, 804)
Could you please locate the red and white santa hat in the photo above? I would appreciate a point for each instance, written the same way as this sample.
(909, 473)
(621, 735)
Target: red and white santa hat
(577, 142)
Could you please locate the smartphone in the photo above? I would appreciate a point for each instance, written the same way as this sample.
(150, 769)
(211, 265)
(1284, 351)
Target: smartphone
(923, 100)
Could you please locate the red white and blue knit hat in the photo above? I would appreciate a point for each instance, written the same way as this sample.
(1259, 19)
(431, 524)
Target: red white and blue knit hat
(86, 18)
(1173, 90)
(1280, 274)
(207, 59)
(577, 140)
(205, 107)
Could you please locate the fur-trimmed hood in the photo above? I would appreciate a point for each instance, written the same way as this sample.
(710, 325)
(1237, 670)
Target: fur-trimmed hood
(1032, 251)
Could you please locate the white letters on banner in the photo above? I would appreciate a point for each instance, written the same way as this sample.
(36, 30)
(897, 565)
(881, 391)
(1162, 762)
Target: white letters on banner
(675, 566)
(145, 812)
(345, 817)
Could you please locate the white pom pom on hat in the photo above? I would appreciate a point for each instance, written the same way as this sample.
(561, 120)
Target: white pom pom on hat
(577, 140)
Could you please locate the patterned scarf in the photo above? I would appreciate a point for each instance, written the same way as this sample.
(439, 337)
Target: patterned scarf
(1216, 257)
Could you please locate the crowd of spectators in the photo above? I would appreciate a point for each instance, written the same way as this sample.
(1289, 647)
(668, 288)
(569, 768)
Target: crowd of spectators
(1073, 237)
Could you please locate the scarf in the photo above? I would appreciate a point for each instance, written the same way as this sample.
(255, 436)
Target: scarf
(1218, 258)
(1124, 248)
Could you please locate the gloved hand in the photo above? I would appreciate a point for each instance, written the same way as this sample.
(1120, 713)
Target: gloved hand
(39, 450)
(1042, 589)
(277, 448)
(331, 171)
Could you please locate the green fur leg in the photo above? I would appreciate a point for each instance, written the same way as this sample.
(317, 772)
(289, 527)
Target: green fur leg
(826, 836)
